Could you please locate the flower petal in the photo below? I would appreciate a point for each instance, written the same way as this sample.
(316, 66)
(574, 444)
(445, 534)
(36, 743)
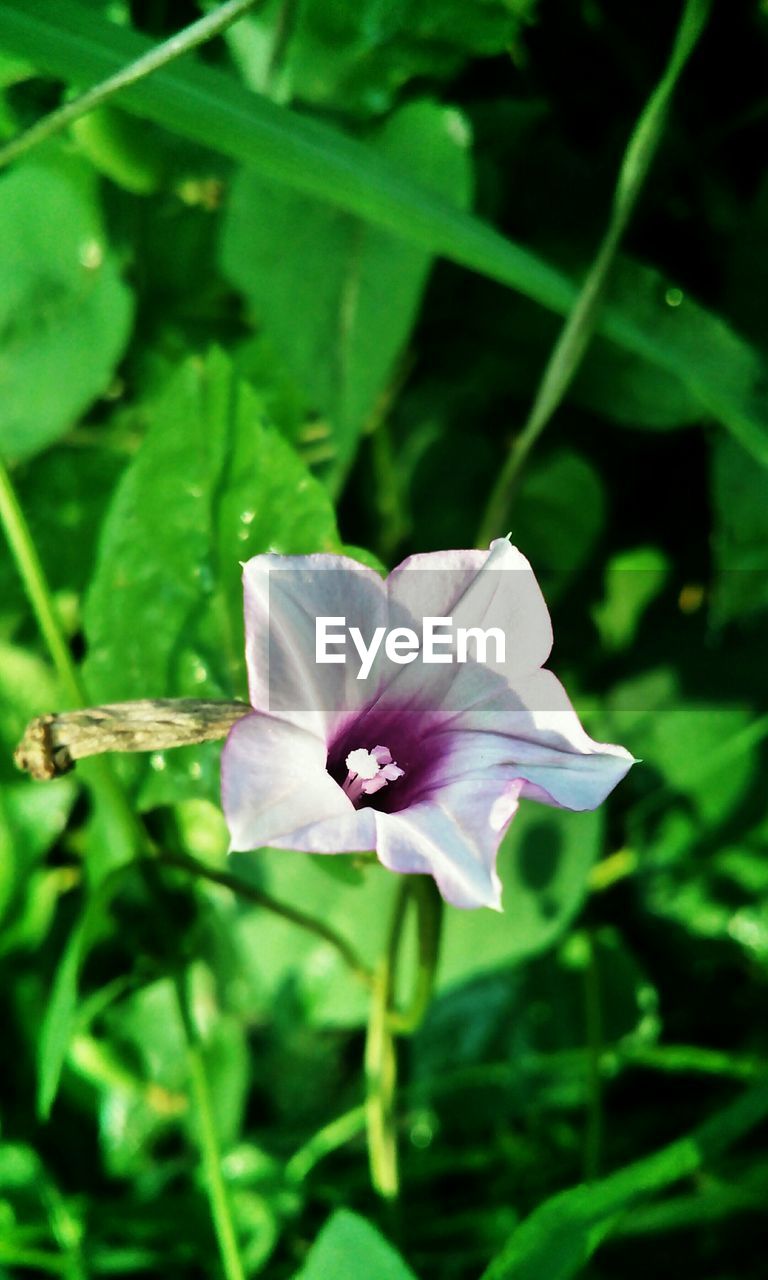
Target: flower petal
(275, 786)
(284, 595)
(454, 837)
(494, 588)
(532, 733)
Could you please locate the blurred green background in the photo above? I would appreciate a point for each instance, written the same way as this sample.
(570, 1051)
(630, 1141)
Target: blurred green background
(257, 304)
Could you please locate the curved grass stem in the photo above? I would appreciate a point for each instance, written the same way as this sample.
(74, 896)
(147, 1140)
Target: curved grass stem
(579, 326)
(197, 33)
(218, 1197)
(262, 899)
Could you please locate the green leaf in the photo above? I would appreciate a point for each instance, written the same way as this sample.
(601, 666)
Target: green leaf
(559, 515)
(344, 1242)
(633, 579)
(274, 955)
(716, 367)
(361, 286)
(544, 863)
(63, 493)
(560, 1236)
(359, 55)
(120, 148)
(61, 1010)
(211, 485)
(65, 314)
(740, 533)
(532, 1019)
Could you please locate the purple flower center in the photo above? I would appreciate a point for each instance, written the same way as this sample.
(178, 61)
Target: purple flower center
(394, 776)
(369, 771)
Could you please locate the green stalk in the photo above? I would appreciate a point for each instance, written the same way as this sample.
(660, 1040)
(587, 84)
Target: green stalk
(218, 1196)
(593, 1018)
(32, 1259)
(380, 1087)
(332, 1136)
(120, 822)
(284, 909)
(589, 1215)
(581, 321)
(191, 37)
(384, 1023)
(38, 592)
(126, 831)
(429, 907)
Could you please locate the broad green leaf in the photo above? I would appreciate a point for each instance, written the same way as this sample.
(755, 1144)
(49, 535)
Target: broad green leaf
(361, 286)
(121, 149)
(717, 895)
(533, 1020)
(561, 1235)
(544, 864)
(211, 485)
(712, 363)
(275, 955)
(701, 752)
(698, 830)
(558, 515)
(61, 1010)
(348, 1242)
(63, 493)
(688, 366)
(139, 1063)
(740, 533)
(65, 313)
(632, 581)
(359, 55)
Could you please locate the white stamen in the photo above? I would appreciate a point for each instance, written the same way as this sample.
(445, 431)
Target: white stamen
(369, 771)
(362, 763)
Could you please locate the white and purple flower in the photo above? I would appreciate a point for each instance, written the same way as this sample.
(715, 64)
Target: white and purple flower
(424, 763)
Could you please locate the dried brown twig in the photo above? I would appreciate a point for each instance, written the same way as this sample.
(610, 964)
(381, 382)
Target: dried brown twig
(52, 743)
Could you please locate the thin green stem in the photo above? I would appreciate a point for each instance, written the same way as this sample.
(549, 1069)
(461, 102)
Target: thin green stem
(120, 821)
(579, 326)
(32, 1259)
(384, 1023)
(108, 791)
(262, 899)
(36, 586)
(176, 46)
(593, 1138)
(381, 1061)
(332, 1136)
(66, 1230)
(619, 1192)
(693, 1059)
(218, 1196)
(429, 907)
(381, 1082)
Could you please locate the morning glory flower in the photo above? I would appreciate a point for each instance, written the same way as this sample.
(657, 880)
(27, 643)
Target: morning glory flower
(406, 715)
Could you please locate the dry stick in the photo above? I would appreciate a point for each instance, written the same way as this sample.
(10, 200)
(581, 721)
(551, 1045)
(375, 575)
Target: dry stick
(577, 331)
(52, 743)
